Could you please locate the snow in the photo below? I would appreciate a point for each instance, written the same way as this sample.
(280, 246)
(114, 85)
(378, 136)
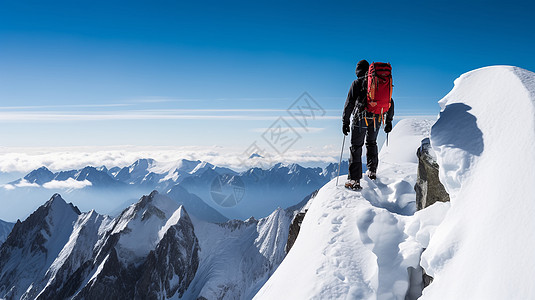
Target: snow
(173, 220)
(237, 257)
(358, 245)
(485, 243)
(370, 244)
(352, 245)
(27, 268)
(144, 224)
(61, 219)
(79, 247)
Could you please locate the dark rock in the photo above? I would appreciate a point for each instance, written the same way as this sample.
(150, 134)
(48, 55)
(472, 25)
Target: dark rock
(166, 271)
(294, 230)
(40, 176)
(24, 256)
(429, 190)
(175, 256)
(426, 279)
(298, 219)
(428, 187)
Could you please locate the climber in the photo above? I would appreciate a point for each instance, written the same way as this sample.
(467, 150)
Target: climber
(367, 117)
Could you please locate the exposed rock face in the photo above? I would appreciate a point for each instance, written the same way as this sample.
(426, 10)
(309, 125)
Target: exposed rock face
(294, 230)
(171, 267)
(26, 254)
(428, 187)
(126, 269)
(297, 220)
(429, 190)
(150, 251)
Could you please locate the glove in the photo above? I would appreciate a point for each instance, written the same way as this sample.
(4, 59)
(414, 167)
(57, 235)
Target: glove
(388, 127)
(345, 129)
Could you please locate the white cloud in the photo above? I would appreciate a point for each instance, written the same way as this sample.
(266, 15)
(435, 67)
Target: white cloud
(8, 187)
(70, 183)
(56, 159)
(25, 183)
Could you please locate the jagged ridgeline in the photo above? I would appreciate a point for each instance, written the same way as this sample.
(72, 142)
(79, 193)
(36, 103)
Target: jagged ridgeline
(152, 250)
(109, 191)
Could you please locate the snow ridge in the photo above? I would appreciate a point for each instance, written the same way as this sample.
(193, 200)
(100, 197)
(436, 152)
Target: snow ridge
(352, 244)
(361, 245)
(494, 245)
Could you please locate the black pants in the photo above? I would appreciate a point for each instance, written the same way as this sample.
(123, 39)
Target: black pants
(359, 133)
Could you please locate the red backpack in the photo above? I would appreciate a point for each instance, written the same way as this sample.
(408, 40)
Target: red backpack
(379, 88)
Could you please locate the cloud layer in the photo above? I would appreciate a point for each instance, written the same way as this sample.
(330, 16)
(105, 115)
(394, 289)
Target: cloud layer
(70, 183)
(59, 159)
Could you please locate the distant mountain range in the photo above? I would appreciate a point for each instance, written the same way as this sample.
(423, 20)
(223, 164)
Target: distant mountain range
(261, 190)
(141, 172)
(152, 250)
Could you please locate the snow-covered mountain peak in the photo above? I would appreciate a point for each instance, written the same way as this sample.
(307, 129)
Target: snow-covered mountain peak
(143, 221)
(39, 176)
(180, 215)
(201, 166)
(187, 166)
(140, 166)
(58, 208)
(56, 199)
(33, 245)
(142, 163)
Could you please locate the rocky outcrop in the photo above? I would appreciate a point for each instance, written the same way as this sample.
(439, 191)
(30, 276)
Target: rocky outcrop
(429, 190)
(170, 268)
(25, 255)
(300, 212)
(294, 229)
(428, 187)
(150, 251)
(127, 267)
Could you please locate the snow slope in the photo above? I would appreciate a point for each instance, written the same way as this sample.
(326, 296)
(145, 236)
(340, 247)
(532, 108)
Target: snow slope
(352, 244)
(237, 257)
(486, 244)
(479, 246)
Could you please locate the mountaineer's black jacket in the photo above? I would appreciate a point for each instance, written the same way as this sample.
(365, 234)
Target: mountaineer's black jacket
(357, 97)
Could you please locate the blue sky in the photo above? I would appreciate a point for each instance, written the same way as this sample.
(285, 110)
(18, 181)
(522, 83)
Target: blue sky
(214, 73)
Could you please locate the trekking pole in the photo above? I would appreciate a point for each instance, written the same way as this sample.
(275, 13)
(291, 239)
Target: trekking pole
(387, 139)
(340, 163)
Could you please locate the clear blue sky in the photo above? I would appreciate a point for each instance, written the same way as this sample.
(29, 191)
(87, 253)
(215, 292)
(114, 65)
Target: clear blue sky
(105, 72)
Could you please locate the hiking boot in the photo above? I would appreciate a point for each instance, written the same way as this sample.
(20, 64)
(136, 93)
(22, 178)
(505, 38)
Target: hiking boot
(371, 174)
(353, 184)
